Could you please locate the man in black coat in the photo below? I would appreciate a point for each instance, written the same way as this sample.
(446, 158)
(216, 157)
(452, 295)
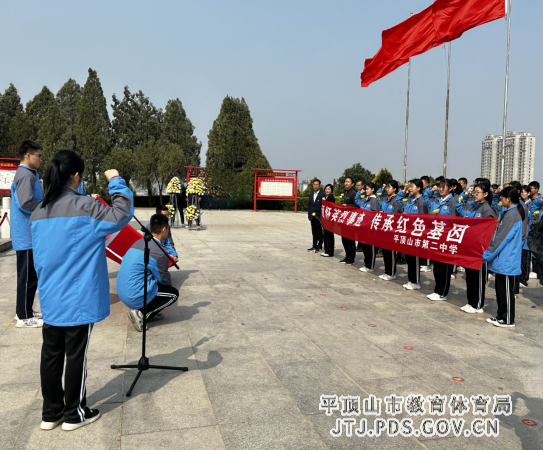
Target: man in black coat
(314, 214)
(348, 244)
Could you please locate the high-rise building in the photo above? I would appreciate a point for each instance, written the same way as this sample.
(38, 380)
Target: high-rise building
(519, 158)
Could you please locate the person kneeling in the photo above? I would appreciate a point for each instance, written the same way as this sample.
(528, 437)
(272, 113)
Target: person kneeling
(160, 292)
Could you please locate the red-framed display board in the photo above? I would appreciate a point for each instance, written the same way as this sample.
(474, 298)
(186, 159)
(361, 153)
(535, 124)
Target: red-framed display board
(276, 184)
(8, 167)
(195, 172)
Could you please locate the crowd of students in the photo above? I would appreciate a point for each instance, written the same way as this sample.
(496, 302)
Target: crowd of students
(508, 259)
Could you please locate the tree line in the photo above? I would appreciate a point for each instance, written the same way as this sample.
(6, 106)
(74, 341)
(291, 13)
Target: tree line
(146, 144)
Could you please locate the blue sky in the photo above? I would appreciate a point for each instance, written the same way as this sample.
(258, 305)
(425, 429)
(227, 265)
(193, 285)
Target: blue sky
(297, 63)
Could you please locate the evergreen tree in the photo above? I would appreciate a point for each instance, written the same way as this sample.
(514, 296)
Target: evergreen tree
(120, 159)
(357, 172)
(135, 120)
(233, 146)
(179, 130)
(156, 163)
(9, 103)
(20, 129)
(68, 97)
(382, 177)
(36, 110)
(53, 134)
(92, 127)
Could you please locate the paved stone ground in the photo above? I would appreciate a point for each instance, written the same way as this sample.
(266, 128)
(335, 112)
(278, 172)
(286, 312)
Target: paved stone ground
(262, 326)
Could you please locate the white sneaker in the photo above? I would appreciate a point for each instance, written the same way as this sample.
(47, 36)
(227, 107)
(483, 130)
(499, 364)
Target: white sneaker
(412, 286)
(365, 269)
(382, 276)
(453, 276)
(35, 314)
(425, 269)
(136, 317)
(436, 297)
(460, 269)
(91, 416)
(325, 255)
(51, 425)
(490, 276)
(463, 308)
(533, 275)
(429, 296)
(29, 323)
(389, 277)
(523, 285)
(472, 310)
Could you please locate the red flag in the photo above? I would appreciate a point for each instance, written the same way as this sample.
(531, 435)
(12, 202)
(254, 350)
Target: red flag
(443, 21)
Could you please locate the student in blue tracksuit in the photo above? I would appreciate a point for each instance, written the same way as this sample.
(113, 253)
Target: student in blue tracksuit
(476, 280)
(415, 205)
(536, 210)
(390, 205)
(68, 240)
(168, 242)
(504, 254)
(26, 194)
(441, 205)
(130, 285)
(526, 256)
(371, 204)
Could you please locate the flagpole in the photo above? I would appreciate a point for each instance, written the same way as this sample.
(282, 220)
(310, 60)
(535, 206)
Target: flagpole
(506, 91)
(447, 114)
(407, 121)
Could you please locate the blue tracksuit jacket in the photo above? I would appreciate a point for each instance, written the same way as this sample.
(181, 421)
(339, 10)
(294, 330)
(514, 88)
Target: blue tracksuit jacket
(68, 240)
(371, 203)
(505, 250)
(472, 209)
(391, 205)
(130, 278)
(26, 194)
(415, 206)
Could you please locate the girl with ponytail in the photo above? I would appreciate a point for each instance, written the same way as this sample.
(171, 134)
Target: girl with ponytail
(68, 241)
(504, 256)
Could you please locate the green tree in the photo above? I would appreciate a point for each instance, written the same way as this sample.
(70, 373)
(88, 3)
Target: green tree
(36, 110)
(92, 127)
(135, 120)
(20, 129)
(53, 134)
(120, 159)
(233, 148)
(179, 130)
(382, 177)
(156, 163)
(68, 97)
(357, 172)
(10, 102)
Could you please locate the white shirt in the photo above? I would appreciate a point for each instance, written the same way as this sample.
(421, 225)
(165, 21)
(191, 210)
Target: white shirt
(315, 196)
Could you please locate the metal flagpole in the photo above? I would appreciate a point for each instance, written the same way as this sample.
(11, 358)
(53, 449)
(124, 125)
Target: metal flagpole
(406, 121)
(406, 124)
(506, 92)
(447, 114)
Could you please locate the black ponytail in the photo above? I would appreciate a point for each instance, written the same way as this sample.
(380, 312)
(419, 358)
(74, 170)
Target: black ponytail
(511, 193)
(63, 165)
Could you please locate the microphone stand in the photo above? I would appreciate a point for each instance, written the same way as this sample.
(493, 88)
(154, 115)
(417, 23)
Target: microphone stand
(143, 363)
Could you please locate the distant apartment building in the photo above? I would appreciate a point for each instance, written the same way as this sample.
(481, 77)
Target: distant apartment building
(519, 158)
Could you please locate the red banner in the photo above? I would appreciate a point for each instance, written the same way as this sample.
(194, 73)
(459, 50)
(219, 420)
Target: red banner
(449, 239)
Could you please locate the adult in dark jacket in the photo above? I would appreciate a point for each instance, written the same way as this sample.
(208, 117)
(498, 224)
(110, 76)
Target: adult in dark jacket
(182, 202)
(349, 245)
(504, 256)
(314, 214)
(328, 235)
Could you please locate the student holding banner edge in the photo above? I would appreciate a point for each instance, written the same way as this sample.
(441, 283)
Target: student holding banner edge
(390, 205)
(370, 203)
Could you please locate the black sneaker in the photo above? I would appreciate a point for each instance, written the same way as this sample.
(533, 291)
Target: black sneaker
(159, 316)
(312, 249)
(91, 415)
(492, 320)
(344, 261)
(349, 263)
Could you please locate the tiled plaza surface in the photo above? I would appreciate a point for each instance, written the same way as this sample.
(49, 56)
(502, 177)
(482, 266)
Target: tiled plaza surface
(265, 328)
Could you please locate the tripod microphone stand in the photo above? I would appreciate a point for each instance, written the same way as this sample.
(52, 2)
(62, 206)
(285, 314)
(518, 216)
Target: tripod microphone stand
(143, 363)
